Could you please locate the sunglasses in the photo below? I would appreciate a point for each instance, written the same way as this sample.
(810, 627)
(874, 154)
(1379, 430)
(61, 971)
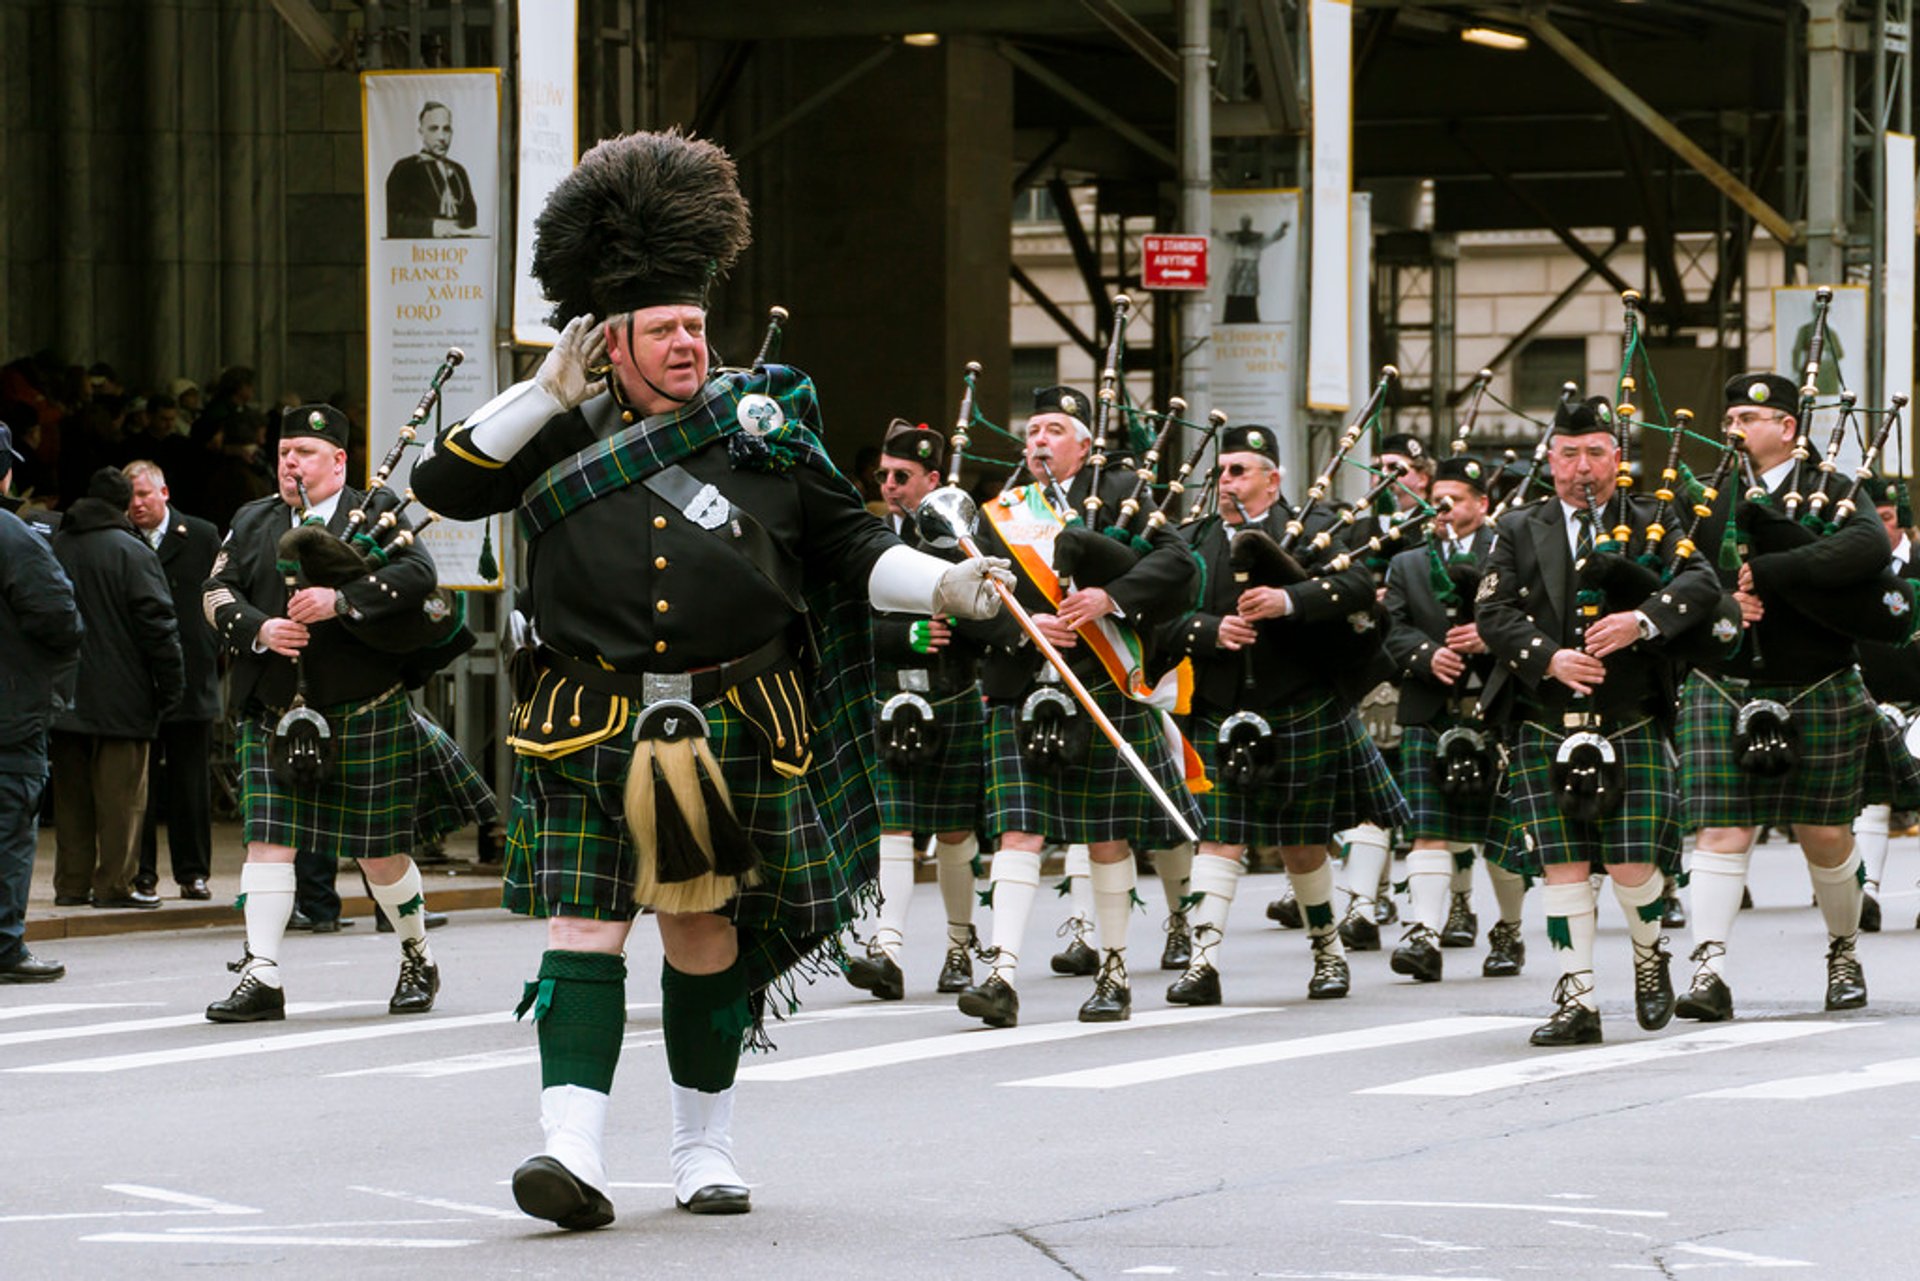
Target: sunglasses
(1236, 470)
(895, 476)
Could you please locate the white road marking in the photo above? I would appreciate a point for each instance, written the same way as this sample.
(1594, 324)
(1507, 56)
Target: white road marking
(267, 1044)
(1737, 1256)
(1870, 1076)
(217, 1238)
(490, 1060)
(69, 1007)
(1372, 1276)
(204, 1204)
(439, 1203)
(974, 1041)
(1181, 1066)
(78, 1030)
(102, 1214)
(1515, 1205)
(1552, 1067)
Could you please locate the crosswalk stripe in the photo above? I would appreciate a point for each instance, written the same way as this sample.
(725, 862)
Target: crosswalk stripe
(221, 1238)
(42, 1034)
(491, 1060)
(973, 1041)
(1822, 1085)
(69, 1007)
(265, 1044)
(1179, 1066)
(1552, 1067)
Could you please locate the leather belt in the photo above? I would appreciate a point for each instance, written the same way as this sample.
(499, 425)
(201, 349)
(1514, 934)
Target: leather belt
(698, 686)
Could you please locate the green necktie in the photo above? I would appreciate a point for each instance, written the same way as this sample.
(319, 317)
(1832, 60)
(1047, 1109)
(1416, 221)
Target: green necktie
(1583, 540)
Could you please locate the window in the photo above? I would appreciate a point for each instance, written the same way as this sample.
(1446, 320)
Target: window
(1032, 368)
(1544, 366)
(1035, 204)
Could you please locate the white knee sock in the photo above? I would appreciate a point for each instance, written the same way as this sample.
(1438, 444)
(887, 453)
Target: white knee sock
(406, 907)
(1715, 887)
(1015, 880)
(1367, 854)
(1870, 832)
(1509, 890)
(1837, 890)
(1215, 880)
(1315, 891)
(954, 864)
(1079, 883)
(1570, 928)
(896, 892)
(269, 891)
(1174, 865)
(1641, 906)
(1113, 902)
(1463, 852)
(1429, 881)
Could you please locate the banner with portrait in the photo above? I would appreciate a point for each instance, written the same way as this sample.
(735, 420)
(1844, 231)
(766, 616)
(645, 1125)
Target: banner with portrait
(548, 141)
(1843, 363)
(431, 143)
(1253, 297)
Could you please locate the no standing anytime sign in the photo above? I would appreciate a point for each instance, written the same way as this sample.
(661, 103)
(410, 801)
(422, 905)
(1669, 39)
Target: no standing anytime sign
(1173, 262)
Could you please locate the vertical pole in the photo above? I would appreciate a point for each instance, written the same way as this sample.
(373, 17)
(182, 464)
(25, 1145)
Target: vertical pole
(1829, 110)
(457, 33)
(1195, 354)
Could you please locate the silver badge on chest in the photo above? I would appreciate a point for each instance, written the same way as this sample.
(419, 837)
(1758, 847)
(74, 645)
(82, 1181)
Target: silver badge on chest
(709, 508)
(759, 414)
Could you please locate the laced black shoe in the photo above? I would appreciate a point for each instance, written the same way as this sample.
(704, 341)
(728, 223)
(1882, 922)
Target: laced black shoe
(994, 1002)
(1869, 914)
(419, 982)
(878, 973)
(252, 1001)
(1708, 1000)
(1846, 983)
(1463, 926)
(1078, 959)
(1112, 999)
(1572, 1023)
(1178, 953)
(956, 972)
(1506, 951)
(1285, 912)
(1384, 912)
(1418, 956)
(1198, 986)
(1672, 915)
(1653, 985)
(1359, 932)
(1331, 978)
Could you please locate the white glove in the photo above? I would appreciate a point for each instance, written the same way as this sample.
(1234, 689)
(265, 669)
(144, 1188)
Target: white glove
(564, 376)
(966, 589)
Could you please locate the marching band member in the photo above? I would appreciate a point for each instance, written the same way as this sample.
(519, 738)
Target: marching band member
(1892, 676)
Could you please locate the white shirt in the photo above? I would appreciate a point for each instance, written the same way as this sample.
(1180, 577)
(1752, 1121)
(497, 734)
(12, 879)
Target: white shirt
(158, 533)
(321, 511)
(1570, 517)
(1902, 553)
(1773, 477)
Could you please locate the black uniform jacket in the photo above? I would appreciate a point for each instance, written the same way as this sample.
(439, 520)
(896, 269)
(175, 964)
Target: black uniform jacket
(1419, 630)
(247, 588)
(1892, 672)
(1527, 612)
(630, 579)
(1293, 656)
(950, 669)
(187, 551)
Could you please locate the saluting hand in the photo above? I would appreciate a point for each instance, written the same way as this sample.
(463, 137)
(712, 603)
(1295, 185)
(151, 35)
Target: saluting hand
(567, 372)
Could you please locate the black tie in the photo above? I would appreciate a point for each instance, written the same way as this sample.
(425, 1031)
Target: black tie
(1583, 539)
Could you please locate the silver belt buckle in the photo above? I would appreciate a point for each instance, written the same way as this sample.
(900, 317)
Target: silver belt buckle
(1047, 676)
(915, 680)
(658, 686)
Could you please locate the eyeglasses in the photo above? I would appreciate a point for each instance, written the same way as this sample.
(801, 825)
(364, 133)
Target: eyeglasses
(895, 476)
(1236, 470)
(1749, 418)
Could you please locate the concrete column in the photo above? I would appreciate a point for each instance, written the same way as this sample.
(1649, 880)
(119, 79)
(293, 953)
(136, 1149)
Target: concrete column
(201, 89)
(159, 196)
(1194, 371)
(239, 228)
(74, 86)
(270, 205)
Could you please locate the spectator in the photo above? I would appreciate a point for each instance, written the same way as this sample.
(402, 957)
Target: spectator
(130, 676)
(178, 778)
(33, 478)
(39, 639)
(186, 394)
(237, 476)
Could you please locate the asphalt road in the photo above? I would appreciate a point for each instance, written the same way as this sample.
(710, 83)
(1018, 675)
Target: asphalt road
(1407, 1132)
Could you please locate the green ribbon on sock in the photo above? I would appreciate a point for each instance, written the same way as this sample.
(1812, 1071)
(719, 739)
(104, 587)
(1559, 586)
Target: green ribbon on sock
(1560, 933)
(1462, 860)
(411, 906)
(1190, 901)
(537, 996)
(1133, 898)
(240, 903)
(1064, 888)
(1651, 911)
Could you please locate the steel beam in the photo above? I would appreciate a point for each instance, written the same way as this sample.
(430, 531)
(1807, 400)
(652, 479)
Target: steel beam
(315, 32)
(1073, 94)
(1547, 313)
(806, 108)
(1057, 316)
(1560, 230)
(1084, 255)
(1829, 151)
(1659, 229)
(1194, 356)
(1274, 66)
(715, 99)
(1136, 37)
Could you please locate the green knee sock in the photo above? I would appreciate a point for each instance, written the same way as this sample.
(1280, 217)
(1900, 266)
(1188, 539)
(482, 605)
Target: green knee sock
(579, 1005)
(704, 1017)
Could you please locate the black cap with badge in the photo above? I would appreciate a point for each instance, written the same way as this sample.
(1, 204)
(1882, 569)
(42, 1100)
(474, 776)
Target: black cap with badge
(1466, 469)
(1769, 391)
(915, 442)
(322, 421)
(1070, 401)
(1582, 417)
(1402, 443)
(1251, 438)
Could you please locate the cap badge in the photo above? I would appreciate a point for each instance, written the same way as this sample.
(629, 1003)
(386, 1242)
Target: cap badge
(759, 414)
(1256, 440)
(1473, 471)
(1413, 449)
(1757, 393)
(1070, 405)
(317, 420)
(926, 449)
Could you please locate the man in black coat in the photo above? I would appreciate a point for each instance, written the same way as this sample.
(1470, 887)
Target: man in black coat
(429, 194)
(186, 546)
(1892, 676)
(131, 675)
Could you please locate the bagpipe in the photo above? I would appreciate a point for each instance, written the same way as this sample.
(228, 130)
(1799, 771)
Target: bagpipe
(1465, 763)
(1587, 775)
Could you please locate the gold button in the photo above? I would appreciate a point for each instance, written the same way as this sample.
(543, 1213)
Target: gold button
(659, 562)
(659, 647)
(659, 522)
(626, 415)
(660, 605)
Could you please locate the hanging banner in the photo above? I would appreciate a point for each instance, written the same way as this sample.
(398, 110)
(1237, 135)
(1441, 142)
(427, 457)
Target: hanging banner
(1255, 247)
(1843, 362)
(549, 144)
(1360, 374)
(433, 179)
(1328, 342)
(1896, 298)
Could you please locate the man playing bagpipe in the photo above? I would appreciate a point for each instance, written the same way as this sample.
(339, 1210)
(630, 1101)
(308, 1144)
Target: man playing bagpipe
(1578, 625)
(1290, 762)
(931, 734)
(334, 759)
(1450, 769)
(1049, 778)
(693, 732)
(1892, 676)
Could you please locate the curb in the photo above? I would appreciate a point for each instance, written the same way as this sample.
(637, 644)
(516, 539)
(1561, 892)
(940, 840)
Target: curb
(97, 924)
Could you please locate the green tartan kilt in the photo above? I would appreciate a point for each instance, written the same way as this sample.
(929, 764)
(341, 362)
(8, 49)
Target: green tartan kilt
(1328, 776)
(1893, 775)
(945, 792)
(398, 782)
(569, 854)
(1836, 723)
(1437, 816)
(1646, 830)
(1098, 800)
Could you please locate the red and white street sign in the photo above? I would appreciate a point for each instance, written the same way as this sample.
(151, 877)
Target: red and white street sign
(1173, 262)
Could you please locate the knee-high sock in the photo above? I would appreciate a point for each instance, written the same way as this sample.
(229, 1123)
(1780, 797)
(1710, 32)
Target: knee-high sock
(703, 1018)
(1215, 880)
(1838, 892)
(1715, 886)
(1509, 890)
(1113, 902)
(1870, 833)
(1367, 854)
(1429, 876)
(1315, 891)
(406, 907)
(1079, 882)
(1174, 865)
(1463, 852)
(1570, 928)
(1641, 905)
(579, 1006)
(269, 891)
(1016, 878)
(896, 892)
(954, 866)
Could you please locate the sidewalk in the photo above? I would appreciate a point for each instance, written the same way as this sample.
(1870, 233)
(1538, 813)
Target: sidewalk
(457, 884)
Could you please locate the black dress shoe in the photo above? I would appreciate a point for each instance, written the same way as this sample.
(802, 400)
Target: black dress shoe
(418, 984)
(1846, 983)
(1869, 914)
(146, 884)
(1653, 986)
(1673, 916)
(299, 920)
(1331, 978)
(196, 889)
(546, 1189)
(1384, 912)
(131, 899)
(1708, 1000)
(1285, 912)
(1506, 951)
(71, 900)
(1463, 925)
(434, 920)
(1178, 953)
(28, 968)
(877, 973)
(956, 972)
(251, 1002)
(1078, 960)
(1571, 1024)
(330, 925)
(1359, 932)
(1112, 999)
(994, 1003)
(718, 1198)
(1419, 957)
(1198, 986)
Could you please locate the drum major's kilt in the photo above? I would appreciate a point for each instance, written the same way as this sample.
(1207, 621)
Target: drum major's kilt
(1100, 800)
(1893, 775)
(1329, 776)
(943, 793)
(1437, 816)
(1835, 720)
(1646, 830)
(398, 782)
